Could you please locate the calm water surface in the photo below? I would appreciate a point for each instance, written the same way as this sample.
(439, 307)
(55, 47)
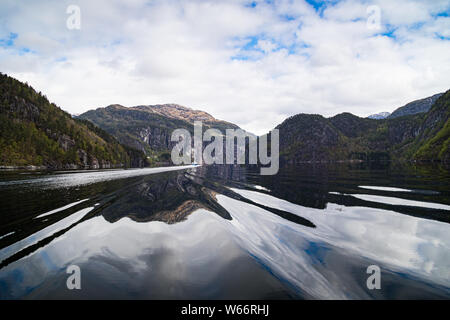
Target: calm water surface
(226, 232)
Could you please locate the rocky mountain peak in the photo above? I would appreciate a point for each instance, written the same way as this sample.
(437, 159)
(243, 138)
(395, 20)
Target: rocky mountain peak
(176, 111)
(378, 116)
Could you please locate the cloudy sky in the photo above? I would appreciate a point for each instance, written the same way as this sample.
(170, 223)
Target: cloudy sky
(253, 63)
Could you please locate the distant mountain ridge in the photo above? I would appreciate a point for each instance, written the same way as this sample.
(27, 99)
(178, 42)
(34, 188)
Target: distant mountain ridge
(414, 107)
(378, 116)
(417, 106)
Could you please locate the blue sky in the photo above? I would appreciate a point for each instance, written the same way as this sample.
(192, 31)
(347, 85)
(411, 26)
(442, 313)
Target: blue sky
(253, 63)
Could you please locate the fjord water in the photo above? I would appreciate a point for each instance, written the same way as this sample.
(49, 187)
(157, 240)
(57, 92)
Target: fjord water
(225, 232)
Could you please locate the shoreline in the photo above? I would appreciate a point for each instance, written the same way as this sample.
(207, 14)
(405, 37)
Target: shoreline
(77, 168)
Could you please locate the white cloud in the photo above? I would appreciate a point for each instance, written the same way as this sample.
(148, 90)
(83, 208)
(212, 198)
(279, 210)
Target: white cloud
(253, 66)
(266, 45)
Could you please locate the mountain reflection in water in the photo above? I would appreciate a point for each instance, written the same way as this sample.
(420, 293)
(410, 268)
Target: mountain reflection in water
(217, 232)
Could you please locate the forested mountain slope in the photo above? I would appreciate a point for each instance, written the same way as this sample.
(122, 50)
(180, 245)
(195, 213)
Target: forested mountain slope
(421, 136)
(35, 132)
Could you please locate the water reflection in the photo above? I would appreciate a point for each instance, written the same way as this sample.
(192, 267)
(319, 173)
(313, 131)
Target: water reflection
(227, 232)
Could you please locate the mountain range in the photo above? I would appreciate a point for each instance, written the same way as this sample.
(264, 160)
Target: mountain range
(417, 106)
(378, 116)
(36, 132)
(405, 134)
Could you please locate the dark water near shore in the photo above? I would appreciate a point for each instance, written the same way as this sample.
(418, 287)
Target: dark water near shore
(227, 233)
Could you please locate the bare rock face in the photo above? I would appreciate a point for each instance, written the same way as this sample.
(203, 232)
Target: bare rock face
(94, 163)
(65, 142)
(157, 138)
(83, 157)
(23, 109)
(176, 111)
(105, 164)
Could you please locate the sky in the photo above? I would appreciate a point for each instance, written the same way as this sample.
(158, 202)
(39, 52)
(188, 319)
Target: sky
(253, 63)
